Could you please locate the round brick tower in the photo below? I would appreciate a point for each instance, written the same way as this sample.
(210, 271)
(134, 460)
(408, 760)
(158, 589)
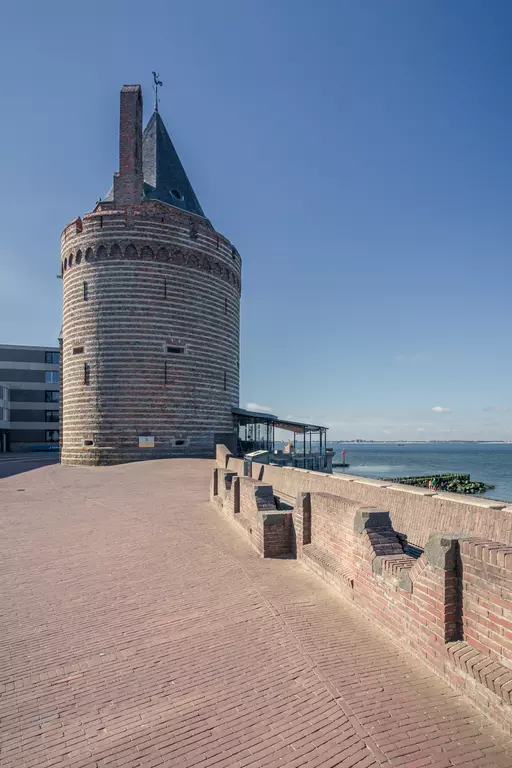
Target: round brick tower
(150, 337)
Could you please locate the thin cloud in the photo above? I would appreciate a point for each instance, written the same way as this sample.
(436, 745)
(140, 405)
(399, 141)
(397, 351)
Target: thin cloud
(420, 429)
(259, 408)
(440, 409)
(497, 409)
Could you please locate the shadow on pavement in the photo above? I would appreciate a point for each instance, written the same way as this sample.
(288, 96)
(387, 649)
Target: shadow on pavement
(14, 466)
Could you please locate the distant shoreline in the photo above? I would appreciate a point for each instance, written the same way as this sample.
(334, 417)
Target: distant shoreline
(413, 442)
(421, 442)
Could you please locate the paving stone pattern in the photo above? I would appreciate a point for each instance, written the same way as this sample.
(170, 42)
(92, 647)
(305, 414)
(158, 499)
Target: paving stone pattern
(139, 629)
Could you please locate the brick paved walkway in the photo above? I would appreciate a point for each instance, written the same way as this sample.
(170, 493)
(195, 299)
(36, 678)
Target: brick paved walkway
(139, 629)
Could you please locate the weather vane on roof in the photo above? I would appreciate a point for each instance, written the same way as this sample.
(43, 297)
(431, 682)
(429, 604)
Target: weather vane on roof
(156, 83)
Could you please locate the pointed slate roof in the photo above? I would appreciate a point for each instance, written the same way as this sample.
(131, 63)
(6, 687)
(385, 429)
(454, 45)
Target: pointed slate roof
(164, 176)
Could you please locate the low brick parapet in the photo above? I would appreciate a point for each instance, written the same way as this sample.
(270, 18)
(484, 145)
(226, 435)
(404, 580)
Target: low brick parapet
(251, 504)
(417, 512)
(451, 606)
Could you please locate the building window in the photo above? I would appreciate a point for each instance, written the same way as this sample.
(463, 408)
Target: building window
(78, 350)
(225, 381)
(175, 350)
(52, 435)
(52, 396)
(87, 374)
(52, 377)
(53, 358)
(51, 416)
(86, 291)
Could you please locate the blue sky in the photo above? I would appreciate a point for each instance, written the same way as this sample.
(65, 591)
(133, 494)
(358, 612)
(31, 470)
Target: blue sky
(358, 154)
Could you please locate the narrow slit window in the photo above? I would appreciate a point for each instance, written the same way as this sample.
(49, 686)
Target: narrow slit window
(78, 350)
(225, 381)
(87, 374)
(175, 350)
(86, 291)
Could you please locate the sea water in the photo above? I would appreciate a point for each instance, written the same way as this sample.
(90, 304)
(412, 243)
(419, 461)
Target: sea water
(488, 463)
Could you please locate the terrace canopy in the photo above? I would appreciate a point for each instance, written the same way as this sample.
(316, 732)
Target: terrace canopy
(256, 431)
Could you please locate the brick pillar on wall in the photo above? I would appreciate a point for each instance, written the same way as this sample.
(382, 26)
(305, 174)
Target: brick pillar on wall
(128, 183)
(443, 555)
(301, 523)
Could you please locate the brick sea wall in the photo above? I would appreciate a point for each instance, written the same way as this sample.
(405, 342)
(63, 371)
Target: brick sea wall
(252, 506)
(415, 512)
(486, 573)
(137, 281)
(451, 607)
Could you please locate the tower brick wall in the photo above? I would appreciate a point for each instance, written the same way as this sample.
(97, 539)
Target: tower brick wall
(137, 284)
(151, 319)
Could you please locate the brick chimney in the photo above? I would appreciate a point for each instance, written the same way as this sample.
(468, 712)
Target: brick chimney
(128, 182)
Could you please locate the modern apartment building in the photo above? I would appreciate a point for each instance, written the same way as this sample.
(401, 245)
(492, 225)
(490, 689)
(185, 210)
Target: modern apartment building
(29, 398)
